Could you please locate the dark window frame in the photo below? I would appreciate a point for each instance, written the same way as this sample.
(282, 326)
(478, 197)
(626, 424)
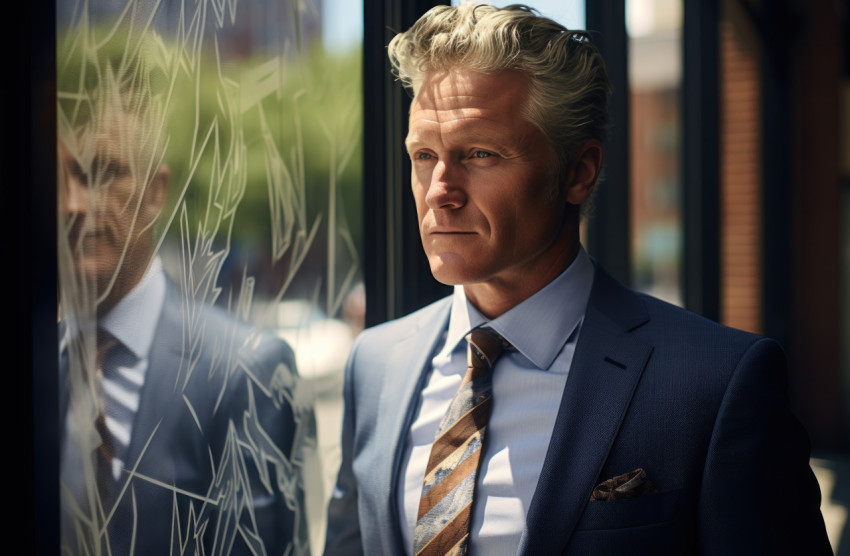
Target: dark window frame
(33, 388)
(701, 158)
(609, 226)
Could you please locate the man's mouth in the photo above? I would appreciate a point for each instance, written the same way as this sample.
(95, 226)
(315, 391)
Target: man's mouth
(448, 230)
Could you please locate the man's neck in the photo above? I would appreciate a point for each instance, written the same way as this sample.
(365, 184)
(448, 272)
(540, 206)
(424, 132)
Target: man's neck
(127, 279)
(496, 297)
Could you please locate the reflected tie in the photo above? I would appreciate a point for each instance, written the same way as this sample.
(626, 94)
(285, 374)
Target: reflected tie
(106, 451)
(445, 508)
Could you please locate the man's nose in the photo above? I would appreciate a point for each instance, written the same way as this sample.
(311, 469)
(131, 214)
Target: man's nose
(77, 195)
(446, 188)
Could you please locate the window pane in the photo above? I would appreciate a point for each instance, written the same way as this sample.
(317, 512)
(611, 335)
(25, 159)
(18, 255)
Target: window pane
(209, 255)
(568, 14)
(742, 202)
(655, 77)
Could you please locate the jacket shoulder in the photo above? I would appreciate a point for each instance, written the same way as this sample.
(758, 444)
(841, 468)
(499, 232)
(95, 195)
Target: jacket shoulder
(225, 346)
(671, 323)
(402, 327)
(659, 321)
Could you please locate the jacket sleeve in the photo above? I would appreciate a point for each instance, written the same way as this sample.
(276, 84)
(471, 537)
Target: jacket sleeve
(343, 532)
(759, 494)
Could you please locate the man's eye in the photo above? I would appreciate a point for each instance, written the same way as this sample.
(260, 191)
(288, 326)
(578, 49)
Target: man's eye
(112, 171)
(423, 156)
(78, 174)
(481, 154)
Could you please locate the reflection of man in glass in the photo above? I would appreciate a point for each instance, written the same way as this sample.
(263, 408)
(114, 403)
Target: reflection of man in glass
(110, 208)
(179, 429)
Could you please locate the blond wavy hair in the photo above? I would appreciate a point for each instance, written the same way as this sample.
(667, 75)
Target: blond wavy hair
(568, 84)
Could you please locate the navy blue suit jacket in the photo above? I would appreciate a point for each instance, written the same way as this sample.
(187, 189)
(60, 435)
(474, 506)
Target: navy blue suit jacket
(212, 466)
(702, 408)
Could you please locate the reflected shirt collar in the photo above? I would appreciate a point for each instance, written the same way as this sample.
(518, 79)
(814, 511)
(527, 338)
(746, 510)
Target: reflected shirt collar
(539, 326)
(133, 319)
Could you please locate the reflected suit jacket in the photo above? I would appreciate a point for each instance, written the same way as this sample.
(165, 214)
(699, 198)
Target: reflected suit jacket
(211, 467)
(702, 408)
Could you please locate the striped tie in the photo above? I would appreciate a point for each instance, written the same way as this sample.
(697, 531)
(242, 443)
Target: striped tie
(445, 509)
(120, 388)
(106, 342)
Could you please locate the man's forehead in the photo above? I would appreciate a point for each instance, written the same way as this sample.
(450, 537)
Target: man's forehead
(468, 87)
(113, 135)
(469, 102)
(466, 124)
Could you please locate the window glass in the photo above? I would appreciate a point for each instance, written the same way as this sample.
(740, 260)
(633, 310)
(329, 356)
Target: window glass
(655, 46)
(209, 247)
(568, 14)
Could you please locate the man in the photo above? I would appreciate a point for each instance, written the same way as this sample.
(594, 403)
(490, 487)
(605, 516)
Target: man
(180, 431)
(611, 422)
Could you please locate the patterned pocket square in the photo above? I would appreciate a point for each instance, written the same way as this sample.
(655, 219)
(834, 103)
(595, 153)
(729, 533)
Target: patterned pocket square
(628, 485)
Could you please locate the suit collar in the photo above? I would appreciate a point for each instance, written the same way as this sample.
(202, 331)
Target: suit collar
(616, 302)
(605, 371)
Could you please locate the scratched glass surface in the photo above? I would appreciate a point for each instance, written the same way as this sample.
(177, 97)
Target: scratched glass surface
(210, 286)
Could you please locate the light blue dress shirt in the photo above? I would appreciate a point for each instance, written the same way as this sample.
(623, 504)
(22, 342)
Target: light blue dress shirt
(527, 388)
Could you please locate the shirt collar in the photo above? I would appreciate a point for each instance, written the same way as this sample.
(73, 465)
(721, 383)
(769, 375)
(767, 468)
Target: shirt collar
(133, 319)
(539, 326)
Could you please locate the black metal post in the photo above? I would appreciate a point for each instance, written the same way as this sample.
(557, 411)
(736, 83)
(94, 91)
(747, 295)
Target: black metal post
(608, 227)
(701, 158)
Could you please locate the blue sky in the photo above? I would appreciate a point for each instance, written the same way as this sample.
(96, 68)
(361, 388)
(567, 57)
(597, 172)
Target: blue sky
(342, 23)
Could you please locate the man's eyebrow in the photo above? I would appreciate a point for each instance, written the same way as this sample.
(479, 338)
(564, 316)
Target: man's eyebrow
(491, 139)
(413, 138)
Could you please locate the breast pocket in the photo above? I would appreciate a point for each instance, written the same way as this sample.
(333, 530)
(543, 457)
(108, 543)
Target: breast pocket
(634, 512)
(649, 525)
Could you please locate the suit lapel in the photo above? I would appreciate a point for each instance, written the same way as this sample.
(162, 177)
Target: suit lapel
(159, 389)
(606, 368)
(408, 366)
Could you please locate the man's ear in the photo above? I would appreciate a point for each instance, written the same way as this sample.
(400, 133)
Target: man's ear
(153, 199)
(585, 171)
(157, 191)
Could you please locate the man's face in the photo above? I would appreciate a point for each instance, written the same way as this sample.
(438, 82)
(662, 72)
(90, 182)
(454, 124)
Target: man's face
(110, 201)
(483, 179)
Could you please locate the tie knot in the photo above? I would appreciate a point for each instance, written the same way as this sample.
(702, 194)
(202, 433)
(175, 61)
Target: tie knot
(486, 345)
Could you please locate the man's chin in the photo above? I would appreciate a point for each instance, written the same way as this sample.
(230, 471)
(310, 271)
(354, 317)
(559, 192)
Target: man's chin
(450, 271)
(87, 270)
(92, 277)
